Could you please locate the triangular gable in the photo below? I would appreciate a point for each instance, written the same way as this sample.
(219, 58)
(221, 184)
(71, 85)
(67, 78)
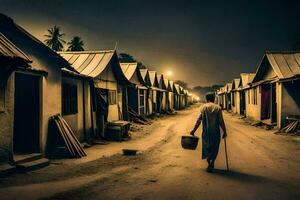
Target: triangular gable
(176, 88)
(153, 79)
(278, 65)
(160, 78)
(235, 83)
(145, 76)
(229, 87)
(132, 73)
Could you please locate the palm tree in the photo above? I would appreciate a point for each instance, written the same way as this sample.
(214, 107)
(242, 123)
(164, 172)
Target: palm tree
(76, 44)
(54, 38)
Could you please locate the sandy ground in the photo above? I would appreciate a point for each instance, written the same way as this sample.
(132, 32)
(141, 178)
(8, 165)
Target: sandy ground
(262, 166)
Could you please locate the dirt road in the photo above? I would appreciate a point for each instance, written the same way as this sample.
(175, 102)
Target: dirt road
(263, 166)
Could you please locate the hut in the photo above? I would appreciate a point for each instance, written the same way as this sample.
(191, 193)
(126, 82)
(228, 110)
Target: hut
(161, 94)
(244, 93)
(222, 97)
(274, 95)
(228, 96)
(154, 87)
(170, 95)
(146, 79)
(110, 85)
(235, 95)
(171, 89)
(166, 82)
(32, 94)
(137, 92)
(176, 96)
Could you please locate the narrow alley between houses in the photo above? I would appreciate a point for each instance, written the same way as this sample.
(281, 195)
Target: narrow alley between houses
(262, 165)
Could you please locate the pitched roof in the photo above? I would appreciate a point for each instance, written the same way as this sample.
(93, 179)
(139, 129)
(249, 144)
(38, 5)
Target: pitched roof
(229, 87)
(89, 63)
(160, 78)
(9, 50)
(153, 78)
(284, 64)
(29, 47)
(235, 83)
(177, 88)
(128, 69)
(144, 73)
(246, 78)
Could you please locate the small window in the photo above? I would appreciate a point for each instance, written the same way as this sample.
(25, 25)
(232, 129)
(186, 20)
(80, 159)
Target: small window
(112, 97)
(69, 99)
(255, 96)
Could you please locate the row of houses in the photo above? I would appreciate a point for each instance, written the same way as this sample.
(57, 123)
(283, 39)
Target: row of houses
(92, 91)
(271, 95)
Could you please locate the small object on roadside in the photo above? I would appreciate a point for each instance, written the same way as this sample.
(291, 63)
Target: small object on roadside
(129, 152)
(189, 142)
(153, 180)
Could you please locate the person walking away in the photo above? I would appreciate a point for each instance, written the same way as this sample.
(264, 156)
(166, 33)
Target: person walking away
(212, 120)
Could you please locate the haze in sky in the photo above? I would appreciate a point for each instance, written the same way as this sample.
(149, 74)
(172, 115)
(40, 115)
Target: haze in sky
(201, 42)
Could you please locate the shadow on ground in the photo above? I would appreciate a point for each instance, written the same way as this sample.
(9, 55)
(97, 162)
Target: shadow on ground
(240, 176)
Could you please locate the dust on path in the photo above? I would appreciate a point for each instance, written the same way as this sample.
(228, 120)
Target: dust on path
(101, 163)
(263, 166)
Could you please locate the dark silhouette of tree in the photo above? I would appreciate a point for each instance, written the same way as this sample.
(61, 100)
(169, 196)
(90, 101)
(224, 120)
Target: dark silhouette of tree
(126, 58)
(141, 66)
(182, 84)
(54, 38)
(76, 44)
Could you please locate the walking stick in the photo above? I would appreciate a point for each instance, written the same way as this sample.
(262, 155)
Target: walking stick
(226, 155)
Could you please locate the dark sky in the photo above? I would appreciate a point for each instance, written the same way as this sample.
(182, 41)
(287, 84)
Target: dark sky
(202, 42)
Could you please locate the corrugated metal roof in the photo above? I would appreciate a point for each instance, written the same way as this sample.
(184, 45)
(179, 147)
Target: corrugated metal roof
(8, 49)
(128, 69)
(89, 63)
(284, 64)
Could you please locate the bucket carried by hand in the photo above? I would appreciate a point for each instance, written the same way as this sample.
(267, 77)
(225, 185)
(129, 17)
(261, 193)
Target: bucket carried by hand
(189, 142)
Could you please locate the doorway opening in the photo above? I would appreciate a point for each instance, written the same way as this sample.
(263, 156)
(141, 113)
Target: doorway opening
(243, 103)
(268, 102)
(26, 138)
